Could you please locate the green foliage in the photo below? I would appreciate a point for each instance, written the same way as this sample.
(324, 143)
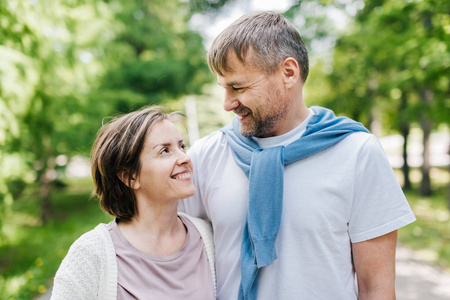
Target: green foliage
(43, 83)
(68, 64)
(25, 273)
(390, 70)
(207, 6)
(311, 19)
(153, 56)
(391, 57)
(430, 234)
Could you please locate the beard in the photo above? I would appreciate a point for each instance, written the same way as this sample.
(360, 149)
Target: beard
(263, 118)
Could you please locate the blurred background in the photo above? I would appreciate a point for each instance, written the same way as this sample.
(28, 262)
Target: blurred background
(66, 65)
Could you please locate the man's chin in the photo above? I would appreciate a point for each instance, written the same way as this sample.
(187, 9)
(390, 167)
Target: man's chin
(248, 128)
(245, 131)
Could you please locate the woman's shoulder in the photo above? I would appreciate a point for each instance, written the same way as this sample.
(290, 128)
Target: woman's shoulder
(90, 251)
(98, 231)
(82, 271)
(92, 241)
(200, 224)
(205, 230)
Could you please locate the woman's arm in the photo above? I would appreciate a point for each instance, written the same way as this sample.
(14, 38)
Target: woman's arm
(78, 276)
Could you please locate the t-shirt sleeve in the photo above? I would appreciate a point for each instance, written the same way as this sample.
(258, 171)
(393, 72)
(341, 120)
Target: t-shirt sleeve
(379, 205)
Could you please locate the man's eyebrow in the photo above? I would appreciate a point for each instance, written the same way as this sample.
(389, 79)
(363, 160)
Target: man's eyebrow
(232, 83)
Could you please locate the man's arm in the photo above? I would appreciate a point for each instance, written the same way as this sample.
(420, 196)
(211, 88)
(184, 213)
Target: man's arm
(374, 262)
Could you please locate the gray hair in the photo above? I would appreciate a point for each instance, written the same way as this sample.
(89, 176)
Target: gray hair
(268, 37)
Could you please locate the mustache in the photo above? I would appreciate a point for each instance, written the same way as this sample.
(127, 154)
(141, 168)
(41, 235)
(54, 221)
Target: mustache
(242, 110)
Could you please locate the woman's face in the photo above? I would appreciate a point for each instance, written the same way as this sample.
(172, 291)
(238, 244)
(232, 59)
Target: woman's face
(166, 170)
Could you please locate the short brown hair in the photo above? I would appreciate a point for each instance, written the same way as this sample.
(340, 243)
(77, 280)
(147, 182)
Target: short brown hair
(117, 147)
(270, 36)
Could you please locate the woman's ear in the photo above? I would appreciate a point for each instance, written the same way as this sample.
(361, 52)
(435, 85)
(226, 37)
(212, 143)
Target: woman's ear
(129, 180)
(290, 71)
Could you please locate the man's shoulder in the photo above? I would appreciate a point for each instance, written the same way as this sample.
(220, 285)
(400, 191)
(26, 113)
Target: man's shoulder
(359, 139)
(356, 143)
(362, 145)
(213, 142)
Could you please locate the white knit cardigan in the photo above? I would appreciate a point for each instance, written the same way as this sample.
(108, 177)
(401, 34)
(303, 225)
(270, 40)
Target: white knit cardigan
(89, 270)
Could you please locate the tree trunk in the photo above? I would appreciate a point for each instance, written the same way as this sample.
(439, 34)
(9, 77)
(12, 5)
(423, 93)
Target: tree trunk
(46, 178)
(448, 186)
(426, 124)
(404, 129)
(45, 197)
(448, 167)
(405, 168)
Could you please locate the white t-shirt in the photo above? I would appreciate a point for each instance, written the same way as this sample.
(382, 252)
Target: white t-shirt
(344, 194)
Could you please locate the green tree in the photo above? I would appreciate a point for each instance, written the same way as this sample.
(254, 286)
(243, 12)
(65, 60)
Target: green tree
(48, 43)
(395, 59)
(68, 64)
(153, 56)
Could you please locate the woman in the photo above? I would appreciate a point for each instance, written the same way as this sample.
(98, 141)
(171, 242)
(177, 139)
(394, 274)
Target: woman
(140, 170)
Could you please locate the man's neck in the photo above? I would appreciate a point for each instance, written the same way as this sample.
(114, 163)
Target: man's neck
(287, 138)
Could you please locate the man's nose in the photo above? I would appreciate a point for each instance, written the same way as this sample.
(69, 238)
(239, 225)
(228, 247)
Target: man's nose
(230, 102)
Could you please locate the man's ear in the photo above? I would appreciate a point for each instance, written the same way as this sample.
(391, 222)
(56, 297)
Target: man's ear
(129, 180)
(290, 72)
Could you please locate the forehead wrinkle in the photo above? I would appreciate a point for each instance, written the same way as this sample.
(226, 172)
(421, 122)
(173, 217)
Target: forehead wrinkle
(222, 81)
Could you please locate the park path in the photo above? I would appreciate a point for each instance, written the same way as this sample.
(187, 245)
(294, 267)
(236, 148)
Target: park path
(415, 279)
(419, 280)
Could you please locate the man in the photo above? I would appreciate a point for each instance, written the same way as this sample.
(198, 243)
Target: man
(299, 200)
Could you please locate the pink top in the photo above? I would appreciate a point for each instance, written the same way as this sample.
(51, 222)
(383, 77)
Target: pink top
(185, 274)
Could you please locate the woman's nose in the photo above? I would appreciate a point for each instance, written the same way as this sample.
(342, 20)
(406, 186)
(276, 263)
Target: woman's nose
(184, 158)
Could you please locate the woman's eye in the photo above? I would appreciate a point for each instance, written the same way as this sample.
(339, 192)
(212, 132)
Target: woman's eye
(164, 150)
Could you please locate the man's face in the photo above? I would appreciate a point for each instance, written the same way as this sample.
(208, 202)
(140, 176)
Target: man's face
(258, 100)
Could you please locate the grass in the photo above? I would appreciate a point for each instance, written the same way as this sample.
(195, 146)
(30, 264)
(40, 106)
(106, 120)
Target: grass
(30, 253)
(429, 236)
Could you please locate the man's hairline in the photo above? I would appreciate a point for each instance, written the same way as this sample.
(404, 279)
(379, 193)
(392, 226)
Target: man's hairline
(222, 71)
(245, 58)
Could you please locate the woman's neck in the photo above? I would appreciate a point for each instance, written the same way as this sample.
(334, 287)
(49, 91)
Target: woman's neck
(155, 230)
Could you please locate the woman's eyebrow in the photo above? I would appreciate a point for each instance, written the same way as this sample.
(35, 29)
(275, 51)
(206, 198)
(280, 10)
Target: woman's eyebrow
(162, 145)
(167, 144)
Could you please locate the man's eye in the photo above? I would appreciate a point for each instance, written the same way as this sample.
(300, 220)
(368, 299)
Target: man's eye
(238, 89)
